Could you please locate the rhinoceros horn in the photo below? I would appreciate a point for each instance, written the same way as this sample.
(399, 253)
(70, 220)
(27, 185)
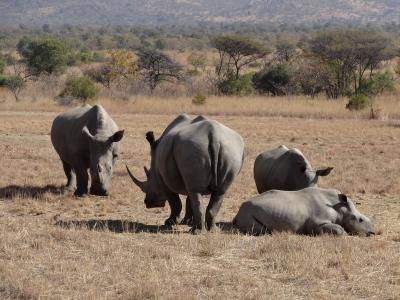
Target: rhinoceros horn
(140, 184)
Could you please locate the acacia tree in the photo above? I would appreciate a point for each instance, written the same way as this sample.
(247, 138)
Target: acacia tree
(237, 52)
(349, 54)
(156, 67)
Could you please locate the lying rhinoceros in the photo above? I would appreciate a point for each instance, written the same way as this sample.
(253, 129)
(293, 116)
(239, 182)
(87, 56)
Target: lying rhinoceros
(312, 210)
(193, 157)
(86, 137)
(285, 169)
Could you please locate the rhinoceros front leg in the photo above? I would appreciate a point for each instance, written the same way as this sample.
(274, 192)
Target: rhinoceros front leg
(330, 228)
(71, 178)
(82, 179)
(188, 218)
(212, 210)
(199, 222)
(175, 205)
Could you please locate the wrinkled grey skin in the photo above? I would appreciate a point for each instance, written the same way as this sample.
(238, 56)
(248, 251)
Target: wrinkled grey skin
(312, 211)
(285, 169)
(193, 157)
(86, 138)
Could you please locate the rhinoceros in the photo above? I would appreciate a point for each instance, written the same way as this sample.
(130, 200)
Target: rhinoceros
(87, 138)
(193, 157)
(285, 169)
(311, 210)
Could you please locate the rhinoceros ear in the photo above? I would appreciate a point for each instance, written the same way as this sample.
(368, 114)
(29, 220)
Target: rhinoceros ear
(150, 138)
(342, 197)
(324, 172)
(118, 136)
(85, 132)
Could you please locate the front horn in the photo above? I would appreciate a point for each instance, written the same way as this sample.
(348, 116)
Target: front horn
(140, 184)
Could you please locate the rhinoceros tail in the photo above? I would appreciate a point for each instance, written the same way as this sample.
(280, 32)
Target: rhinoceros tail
(213, 150)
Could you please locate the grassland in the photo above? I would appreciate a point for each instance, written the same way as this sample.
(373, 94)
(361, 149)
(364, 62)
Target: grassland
(54, 246)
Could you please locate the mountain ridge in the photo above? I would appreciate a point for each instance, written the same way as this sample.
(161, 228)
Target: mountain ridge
(123, 12)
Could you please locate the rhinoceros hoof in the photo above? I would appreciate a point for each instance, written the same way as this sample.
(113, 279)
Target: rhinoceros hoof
(214, 228)
(187, 221)
(80, 194)
(197, 231)
(171, 222)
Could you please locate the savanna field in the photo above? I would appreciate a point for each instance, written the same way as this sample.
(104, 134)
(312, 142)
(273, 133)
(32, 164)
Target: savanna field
(55, 246)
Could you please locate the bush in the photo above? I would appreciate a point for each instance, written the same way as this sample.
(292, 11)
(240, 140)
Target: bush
(13, 83)
(199, 98)
(81, 88)
(358, 102)
(272, 80)
(237, 87)
(377, 84)
(2, 63)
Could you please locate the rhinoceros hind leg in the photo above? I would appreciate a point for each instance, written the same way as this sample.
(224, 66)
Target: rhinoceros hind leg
(71, 178)
(330, 228)
(82, 182)
(212, 210)
(188, 218)
(199, 225)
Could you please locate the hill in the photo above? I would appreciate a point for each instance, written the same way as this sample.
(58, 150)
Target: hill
(103, 12)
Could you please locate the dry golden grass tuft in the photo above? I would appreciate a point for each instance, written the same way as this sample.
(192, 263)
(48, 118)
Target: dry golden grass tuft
(55, 246)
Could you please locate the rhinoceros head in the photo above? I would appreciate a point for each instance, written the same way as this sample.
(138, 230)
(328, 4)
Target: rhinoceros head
(152, 187)
(103, 154)
(300, 172)
(352, 220)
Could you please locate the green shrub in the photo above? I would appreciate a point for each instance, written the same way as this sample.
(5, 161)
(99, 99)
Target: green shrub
(2, 63)
(377, 84)
(15, 84)
(199, 98)
(272, 80)
(81, 88)
(358, 102)
(237, 87)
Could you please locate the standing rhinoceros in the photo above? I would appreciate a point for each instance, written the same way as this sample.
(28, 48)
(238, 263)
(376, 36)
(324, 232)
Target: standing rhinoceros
(193, 157)
(285, 169)
(86, 137)
(312, 210)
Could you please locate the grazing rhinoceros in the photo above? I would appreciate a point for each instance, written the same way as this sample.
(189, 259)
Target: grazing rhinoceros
(285, 169)
(86, 137)
(312, 210)
(193, 157)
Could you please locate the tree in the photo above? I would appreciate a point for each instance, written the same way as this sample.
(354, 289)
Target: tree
(13, 83)
(43, 56)
(349, 54)
(81, 88)
(285, 51)
(272, 80)
(237, 52)
(197, 61)
(156, 67)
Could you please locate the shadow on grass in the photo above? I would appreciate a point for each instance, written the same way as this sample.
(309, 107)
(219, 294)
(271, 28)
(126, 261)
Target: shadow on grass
(27, 191)
(116, 226)
(125, 226)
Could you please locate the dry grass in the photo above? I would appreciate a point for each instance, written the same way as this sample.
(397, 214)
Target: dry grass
(387, 107)
(49, 250)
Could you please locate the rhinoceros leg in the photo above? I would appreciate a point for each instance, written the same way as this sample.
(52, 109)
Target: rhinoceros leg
(71, 183)
(188, 218)
(212, 210)
(82, 179)
(175, 205)
(199, 225)
(330, 228)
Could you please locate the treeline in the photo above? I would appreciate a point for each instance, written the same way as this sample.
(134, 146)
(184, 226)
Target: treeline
(358, 64)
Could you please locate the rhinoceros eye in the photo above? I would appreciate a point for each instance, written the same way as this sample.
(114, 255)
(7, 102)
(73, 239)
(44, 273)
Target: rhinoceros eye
(360, 220)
